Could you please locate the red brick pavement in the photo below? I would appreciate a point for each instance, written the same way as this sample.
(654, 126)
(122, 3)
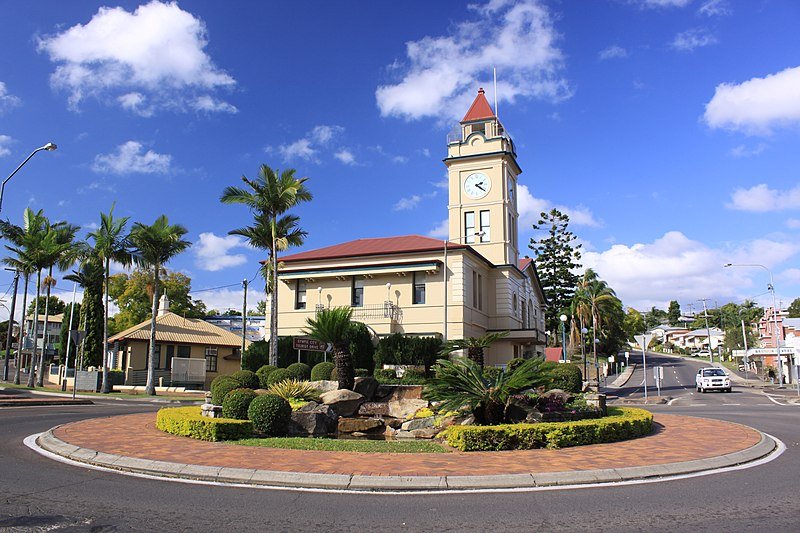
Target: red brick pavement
(675, 439)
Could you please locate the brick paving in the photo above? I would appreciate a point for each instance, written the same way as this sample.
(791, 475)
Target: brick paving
(675, 439)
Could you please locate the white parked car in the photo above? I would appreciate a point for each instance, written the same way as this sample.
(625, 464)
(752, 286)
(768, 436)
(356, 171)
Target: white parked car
(712, 378)
(701, 353)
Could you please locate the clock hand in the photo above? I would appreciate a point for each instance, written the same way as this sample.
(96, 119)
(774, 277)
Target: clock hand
(478, 185)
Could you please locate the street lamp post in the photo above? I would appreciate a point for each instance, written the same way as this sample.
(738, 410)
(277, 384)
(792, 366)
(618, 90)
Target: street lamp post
(563, 319)
(444, 275)
(49, 147)
(584, 331)
(776, 337)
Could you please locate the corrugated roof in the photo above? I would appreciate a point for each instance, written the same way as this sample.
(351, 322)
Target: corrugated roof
(480, 108)
(378, 246)
(523, 263)
(51, 318)
(174, 328)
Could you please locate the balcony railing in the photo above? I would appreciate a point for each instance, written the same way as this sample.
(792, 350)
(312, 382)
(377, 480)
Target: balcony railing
(386, 310)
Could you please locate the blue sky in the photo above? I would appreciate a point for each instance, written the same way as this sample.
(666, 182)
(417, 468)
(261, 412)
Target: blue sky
(667, 129)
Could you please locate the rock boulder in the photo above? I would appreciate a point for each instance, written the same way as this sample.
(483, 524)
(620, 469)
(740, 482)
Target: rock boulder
(344, 402)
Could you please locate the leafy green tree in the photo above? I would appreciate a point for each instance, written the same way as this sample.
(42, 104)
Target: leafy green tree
(90, 278)
(596, 300)
(794, 308)
(153, 246)
(64, 334)
(332, 325)
(674, 313)
(655, 317)
(132, 294)
(556, 259)
(473, 345)
(634, 323)
(261, 308)
(55, 304)
(269, 196)
(110, 244)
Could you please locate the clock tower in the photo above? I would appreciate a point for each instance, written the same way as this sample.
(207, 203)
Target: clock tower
(482, 171)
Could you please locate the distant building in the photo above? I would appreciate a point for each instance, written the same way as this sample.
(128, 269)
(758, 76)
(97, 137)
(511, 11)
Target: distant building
(256, 325)
(787, 334)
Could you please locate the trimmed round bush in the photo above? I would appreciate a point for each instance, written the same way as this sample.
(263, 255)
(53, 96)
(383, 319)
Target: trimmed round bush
(278, 375)
(299, 371)
(322, 371)
(236, 403)
(247, 379)
(270, 415)
(385, 374)
(263, 374)
(221, 389)
(514, 364)
(217, 380)
(567, 377)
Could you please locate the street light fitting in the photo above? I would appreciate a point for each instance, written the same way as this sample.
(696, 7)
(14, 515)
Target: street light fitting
(563, 318)
(49, 147)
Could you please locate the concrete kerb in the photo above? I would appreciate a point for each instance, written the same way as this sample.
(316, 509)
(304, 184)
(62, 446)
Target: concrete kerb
(354, 482)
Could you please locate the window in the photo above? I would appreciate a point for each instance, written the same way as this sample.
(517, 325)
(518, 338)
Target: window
(485, 226)
(480, 291)
(514, 304)
(211, 358)
(419, 288)
(474, 289)
(170, 355)
(300, 294)
(357, 299)
(511, 190)
(156, 357)
(469, 227)
(184, 351)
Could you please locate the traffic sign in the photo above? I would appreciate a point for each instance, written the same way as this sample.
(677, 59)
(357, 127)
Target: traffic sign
(311, 345)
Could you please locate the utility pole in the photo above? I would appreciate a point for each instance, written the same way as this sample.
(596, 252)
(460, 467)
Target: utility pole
(244, 322)
(708, 330)
(11, 326)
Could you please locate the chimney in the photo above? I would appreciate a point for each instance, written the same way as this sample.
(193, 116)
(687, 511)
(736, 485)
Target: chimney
(163, 305)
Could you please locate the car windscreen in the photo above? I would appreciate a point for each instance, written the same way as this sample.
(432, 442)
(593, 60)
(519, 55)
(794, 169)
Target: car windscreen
(714, 372)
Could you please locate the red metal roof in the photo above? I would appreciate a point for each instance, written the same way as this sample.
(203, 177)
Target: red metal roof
(377, 246)
(480, 108)
(523, 263)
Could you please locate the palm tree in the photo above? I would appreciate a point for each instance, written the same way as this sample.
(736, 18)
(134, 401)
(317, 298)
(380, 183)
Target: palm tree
(153, 246)
(473, 345)
(592, 295)
(331, 326)
(110, 243)
(270, 195)
(87, 275)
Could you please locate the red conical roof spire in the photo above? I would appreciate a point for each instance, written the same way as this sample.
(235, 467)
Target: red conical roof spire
(480, 109)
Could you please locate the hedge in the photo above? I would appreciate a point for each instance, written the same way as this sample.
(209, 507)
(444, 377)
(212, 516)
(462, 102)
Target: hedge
(263, 374)
(622, 423)
(247, 379)
(187, 422)
(299, 371)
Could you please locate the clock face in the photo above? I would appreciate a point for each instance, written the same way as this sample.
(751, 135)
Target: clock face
(477, 185)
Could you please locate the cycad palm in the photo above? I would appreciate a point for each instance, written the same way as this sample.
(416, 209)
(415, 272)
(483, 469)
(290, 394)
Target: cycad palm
(473, 345)
(270, 195)
(110, 244)
(331, 326)
(153, 246)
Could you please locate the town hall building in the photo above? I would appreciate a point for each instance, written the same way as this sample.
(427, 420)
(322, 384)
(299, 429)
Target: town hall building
(470, 284)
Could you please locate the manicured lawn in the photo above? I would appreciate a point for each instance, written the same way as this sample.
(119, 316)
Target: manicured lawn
(344, 445)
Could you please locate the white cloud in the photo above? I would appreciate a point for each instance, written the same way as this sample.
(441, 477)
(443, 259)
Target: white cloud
(307, 147)
(158, 50)
(345, 156)
(400, 159)
(224, 299)
(531, 207)
(130, 159)
(612, 52)
(690, 40)
(443, 73)
(441, 230)
(714, 8)
(761, 198)
(406, 204)
(7, 101)
(660, 3)
(212, 252)
(676, 267)
(135, 103)
(757, 105)
(212, 105)
(793, 223)
(5, 140)
(747, 151)
(96, 185)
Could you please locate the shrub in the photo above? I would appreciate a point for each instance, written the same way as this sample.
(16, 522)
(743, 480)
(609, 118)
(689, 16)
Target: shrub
(413, 377)
(294, 389)
(116, 377)
(299, 371)
(335, 374)
(221, 388)
(247, 379)
(567, 377)
(384, 374)
(621, 424)
(322, 371)
(256, 355)
(270, 415)
(263, 373)
(236, 403)
(278, 375)
(399, 349)
(514, 364)
(359, 343)
(217, 380)
(361, 372)
(187, 422)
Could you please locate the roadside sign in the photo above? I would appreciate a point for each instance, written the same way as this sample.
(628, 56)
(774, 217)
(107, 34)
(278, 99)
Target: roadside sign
(77, 335)
(658, 372)
(311, 345)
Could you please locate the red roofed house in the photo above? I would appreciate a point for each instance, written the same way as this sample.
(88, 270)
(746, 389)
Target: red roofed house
(400, 284)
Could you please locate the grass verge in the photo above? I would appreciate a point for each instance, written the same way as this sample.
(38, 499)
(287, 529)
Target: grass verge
(344, 445)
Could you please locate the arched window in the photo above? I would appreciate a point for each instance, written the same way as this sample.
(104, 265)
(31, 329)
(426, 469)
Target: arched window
(514, 304)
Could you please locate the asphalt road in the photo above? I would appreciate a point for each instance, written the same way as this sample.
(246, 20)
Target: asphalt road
(41, 494)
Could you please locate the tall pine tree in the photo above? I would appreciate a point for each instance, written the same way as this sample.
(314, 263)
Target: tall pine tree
(674, 313)
(556, 259)
(92, 315)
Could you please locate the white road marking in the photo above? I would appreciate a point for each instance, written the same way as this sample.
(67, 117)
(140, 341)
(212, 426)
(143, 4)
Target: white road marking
(773, 400)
